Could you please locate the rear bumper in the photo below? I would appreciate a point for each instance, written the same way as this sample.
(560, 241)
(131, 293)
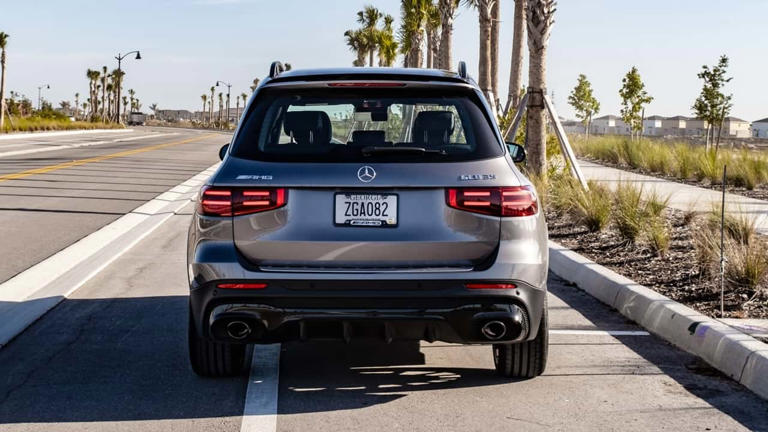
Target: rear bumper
(299, 309)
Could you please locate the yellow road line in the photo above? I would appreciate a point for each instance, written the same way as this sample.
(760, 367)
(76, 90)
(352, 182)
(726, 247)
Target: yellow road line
(74, 163)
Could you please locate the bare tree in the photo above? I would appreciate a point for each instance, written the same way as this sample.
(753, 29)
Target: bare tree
(518, 45)
(541, 17)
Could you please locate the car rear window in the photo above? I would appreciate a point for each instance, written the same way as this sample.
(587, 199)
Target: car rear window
(364, 124)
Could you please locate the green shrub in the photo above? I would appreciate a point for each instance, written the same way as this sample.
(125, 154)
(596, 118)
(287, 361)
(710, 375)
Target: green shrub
(592, 207)
(35, 124)
(655, 204)
(657, 235)
(685, 161)
(628, 213)
(706, 243)
(747, 264)
(739, 227)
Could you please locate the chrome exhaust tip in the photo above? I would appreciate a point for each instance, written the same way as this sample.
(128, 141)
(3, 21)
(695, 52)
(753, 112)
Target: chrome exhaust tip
(494, 330)
(238, 330)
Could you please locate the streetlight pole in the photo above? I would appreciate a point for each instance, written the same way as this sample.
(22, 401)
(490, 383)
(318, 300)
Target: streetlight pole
(119, 59)
(40, 95)
(229, 87)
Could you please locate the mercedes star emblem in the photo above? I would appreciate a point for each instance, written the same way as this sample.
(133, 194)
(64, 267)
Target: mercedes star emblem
(366, 174)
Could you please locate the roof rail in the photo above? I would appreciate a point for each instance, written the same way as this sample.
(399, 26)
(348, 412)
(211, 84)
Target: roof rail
(276, 69)
(463, 69)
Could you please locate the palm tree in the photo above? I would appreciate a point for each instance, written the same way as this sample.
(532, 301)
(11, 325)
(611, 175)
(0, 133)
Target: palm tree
(77, 106)
(204, 97)
(447, 10)
(495, 19)
(485, 18)
(3, 44)
(131, 94)
(93, 78)
(254, 86)
(117, 84)
(518, 44)
(210, 115)
(125, 106)
(355, 42)
(414, 18)
(221, 107)
(103, 93)
(245, 101)
(540, 16)
(387, 43)
(110, 88)
(433, 41)
(154, 108)
(369, 17)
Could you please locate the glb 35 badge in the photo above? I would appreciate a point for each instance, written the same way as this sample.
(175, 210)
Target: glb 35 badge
(468, 177)
(254, 177)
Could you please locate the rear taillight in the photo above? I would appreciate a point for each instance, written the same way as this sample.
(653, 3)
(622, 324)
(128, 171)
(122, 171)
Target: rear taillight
(490, 286)
(507, 201)
(242, 285)
(224, 201)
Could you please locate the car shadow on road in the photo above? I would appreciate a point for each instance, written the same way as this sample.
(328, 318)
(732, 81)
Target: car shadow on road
(331, 375)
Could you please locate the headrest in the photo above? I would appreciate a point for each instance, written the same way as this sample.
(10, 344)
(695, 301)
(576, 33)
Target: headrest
(368, 138)
(308, 127)
(433, 128)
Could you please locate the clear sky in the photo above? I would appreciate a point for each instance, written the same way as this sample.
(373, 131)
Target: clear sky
(189, 44)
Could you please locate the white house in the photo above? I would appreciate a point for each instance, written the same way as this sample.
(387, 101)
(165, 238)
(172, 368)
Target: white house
(609, 125)
(736, 128)
(760, 128)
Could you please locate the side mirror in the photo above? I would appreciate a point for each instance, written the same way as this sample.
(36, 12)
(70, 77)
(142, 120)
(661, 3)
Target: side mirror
(223, 151)
(517, 152)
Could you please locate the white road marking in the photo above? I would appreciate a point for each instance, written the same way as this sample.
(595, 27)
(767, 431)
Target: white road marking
(601, 332)
(30, 294)
(4, 137)
(260, 410)
(69, 146)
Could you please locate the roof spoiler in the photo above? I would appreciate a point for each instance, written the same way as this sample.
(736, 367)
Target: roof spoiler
(276, 69)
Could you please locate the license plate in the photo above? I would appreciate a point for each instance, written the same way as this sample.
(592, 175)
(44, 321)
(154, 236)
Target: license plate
(365, 209)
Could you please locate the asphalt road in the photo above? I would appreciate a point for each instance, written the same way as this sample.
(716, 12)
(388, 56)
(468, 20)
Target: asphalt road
(49, 199)
(113, 356)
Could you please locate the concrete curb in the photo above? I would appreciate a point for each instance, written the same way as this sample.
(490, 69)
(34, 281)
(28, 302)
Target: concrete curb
(732, 352)
(18, 135)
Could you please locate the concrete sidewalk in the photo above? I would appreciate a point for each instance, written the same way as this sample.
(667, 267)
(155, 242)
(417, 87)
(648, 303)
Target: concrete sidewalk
(682, 196)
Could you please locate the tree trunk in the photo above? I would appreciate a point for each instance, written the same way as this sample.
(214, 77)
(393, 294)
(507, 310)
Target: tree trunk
(495, 21)
(706, 137)
(516, 71)
(540, 17)
(447, 14)
(371, 52)
(415, 54)
(484, 63)
(2, 89)
(429, 59)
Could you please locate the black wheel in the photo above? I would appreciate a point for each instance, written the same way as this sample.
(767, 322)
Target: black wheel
(527, 359)
(214, 359)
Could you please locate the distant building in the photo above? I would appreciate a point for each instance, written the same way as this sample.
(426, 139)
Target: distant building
(173, 115)
(652, 125)
(696, 127)
(573, 126)
(609, 125)
(674, 126)
(736, 128)
(760, 128)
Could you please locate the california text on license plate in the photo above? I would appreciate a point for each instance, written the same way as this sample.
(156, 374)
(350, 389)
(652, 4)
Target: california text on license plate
(365, 209)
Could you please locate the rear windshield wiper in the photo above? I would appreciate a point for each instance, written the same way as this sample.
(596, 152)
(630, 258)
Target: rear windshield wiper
(373, 150)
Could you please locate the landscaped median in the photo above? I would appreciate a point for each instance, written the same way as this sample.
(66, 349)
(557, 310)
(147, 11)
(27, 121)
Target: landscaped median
(732, 352)
(37, 124)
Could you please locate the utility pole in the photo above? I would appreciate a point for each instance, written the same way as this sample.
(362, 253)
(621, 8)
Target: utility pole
(40, 95)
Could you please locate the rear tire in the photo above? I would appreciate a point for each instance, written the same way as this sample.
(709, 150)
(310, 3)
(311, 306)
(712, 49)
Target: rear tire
(527, 359)
(214, 359)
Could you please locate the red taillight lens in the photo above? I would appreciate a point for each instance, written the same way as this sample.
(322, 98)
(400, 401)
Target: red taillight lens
(366, 84)
(242, 285)
(490, 286)
(223, 201)
(507, 201)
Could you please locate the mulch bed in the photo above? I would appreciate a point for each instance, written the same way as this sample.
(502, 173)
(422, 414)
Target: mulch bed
(676, 275)
(760, 192)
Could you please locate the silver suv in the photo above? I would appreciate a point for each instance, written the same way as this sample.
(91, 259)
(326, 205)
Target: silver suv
(368, 203)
